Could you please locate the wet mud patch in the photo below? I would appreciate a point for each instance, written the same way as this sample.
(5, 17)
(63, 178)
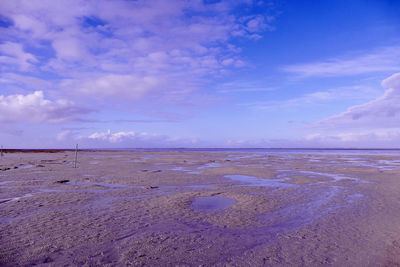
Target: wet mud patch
(299, 216)
(257, 181)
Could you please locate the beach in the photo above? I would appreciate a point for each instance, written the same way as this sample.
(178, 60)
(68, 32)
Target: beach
(185, 208)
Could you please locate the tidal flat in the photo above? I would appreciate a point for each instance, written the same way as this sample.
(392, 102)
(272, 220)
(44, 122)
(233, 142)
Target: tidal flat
(121, 208)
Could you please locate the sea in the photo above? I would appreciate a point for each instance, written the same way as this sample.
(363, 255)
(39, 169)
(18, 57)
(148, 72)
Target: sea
(322, 151)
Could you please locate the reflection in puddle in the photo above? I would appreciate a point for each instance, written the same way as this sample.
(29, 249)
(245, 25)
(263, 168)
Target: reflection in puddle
(178, 169)
(317, 203)
(390, 165)
(312, 174)
(212, 203)
(240, 157)
(25, 166)
(6, 182)
(381, 164)
(256, 181)
(335, 177)
(185, 170)
(210, 165)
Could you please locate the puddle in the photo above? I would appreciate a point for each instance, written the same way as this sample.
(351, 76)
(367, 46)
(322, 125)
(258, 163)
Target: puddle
(194, 172)
(312, 174)
(106, 156)
(182, 169)
(25, 166)
(210, 165)
(316, 204)
(178, 169)
(6, 182)
(256, 181)
(389, 165)
(239, 157)
(177, 187)
(5, 200)
(383, 165)
(212, 203)
(335, 177)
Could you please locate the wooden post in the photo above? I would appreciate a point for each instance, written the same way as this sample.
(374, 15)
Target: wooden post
(1, 151)
(76, 155)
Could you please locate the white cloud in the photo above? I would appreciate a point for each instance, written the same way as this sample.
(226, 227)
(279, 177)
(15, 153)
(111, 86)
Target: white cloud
(385, 60)
(118, 137)
(383, 112)
(141, 46)
(35, 108)
(134, 139)
(363, 139)
(24, 80)
(116, 85)
(367, 139)
(14, 54)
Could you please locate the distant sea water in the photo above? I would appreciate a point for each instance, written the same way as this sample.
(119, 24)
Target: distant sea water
(333, 151)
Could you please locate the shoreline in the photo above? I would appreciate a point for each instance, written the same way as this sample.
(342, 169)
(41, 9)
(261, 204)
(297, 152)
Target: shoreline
(210, 150)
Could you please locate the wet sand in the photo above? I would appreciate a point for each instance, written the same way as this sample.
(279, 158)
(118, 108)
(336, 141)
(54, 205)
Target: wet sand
(199, 208)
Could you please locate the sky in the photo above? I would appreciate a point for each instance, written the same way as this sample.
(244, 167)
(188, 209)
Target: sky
(200, 73)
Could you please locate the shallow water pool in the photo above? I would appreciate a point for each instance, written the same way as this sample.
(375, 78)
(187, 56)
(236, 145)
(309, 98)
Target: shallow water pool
(212, 203)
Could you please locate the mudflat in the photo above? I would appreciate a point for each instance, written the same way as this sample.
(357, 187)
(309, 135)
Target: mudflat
(199, 209)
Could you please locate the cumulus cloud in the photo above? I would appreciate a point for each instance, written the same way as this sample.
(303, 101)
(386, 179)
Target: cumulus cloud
(134, 139)
(383, 112)
(35, 108)
(119, 136)
(140, 47)
(383, 60)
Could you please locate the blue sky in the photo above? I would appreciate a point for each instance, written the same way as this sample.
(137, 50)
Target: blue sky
(199, 73)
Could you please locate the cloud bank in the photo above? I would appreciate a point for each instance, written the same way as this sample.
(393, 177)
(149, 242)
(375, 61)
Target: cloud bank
(35, 108)
(126, 49)
(129, 139)
(383, 112)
